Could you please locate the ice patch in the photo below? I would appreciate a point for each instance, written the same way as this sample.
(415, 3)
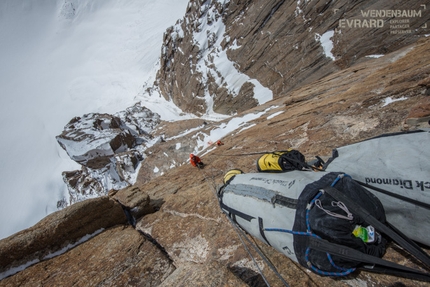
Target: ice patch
(274, 115)
(390, 100)
(375, 56)
(326, 43)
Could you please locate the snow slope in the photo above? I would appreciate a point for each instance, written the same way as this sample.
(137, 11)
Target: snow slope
(60, 59)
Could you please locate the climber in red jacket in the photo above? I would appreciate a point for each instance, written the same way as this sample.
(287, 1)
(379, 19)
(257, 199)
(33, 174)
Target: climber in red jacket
(195, 161)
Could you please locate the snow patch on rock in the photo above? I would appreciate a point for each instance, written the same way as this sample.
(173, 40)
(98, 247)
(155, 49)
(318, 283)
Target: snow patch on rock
(108, 147)
(326, 42)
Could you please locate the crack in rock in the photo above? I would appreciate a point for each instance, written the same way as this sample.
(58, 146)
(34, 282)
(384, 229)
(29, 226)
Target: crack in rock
(180, 214)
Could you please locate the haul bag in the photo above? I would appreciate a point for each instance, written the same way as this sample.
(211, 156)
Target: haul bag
(397, 163)
(259, 200)
(293, 213)
(272, 207)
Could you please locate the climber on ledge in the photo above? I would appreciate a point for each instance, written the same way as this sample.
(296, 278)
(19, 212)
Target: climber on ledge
(195, 161)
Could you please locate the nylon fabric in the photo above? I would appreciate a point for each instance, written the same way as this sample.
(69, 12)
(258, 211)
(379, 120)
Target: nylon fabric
(400, 164)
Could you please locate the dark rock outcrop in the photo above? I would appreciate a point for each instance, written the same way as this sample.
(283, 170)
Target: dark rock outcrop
(136, 202)
(109, 148)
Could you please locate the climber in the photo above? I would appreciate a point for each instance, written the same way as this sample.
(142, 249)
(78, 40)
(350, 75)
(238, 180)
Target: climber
(219, 143)
(195, 161)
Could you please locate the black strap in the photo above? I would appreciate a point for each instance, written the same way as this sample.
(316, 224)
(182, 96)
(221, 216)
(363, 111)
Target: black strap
(392, 194)
(261, 227)
(355, 255)
(335, 154)
(404, 236)
(367, 217)
(395, 272)
(236, 212)
(231, 212)
(284, 201)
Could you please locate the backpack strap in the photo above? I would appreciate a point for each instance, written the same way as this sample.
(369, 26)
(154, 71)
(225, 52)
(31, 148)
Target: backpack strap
(396, 235)
(381, 265)
(261, 228)
(395, 195)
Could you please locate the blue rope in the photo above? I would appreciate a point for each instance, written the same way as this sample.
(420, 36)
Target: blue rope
(318, 271)
(346, 271)
(338, 267)
(291, 231)
(339, 177)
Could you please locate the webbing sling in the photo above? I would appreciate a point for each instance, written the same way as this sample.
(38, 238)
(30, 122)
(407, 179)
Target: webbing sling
(355, 255)
(395, 195)
(398, 237)
(261, 228)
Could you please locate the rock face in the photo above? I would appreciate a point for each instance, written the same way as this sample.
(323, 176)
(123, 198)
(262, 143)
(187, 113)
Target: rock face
(178, 235)
(90, 236)
(109, 148)
(119, 256)
(195, 71)
(58, 230)
(135, 202)
(284, 45)
(188, 241)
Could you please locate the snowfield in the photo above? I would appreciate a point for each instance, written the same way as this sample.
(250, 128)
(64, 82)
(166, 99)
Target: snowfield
(61, 59)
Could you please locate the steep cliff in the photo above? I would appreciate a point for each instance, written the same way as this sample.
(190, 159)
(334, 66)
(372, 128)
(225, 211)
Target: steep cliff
(228, 56)
(171, 231)
(185, 239)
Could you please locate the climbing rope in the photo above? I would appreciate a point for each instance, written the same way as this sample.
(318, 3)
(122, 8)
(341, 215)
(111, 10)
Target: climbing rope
(310, 167)
(241, 234)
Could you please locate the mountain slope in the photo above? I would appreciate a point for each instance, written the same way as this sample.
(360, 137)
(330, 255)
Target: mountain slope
(195, 239)
(185, 238)
(229, 56)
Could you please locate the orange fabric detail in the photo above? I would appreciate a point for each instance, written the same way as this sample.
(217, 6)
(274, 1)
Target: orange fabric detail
(194, 160)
